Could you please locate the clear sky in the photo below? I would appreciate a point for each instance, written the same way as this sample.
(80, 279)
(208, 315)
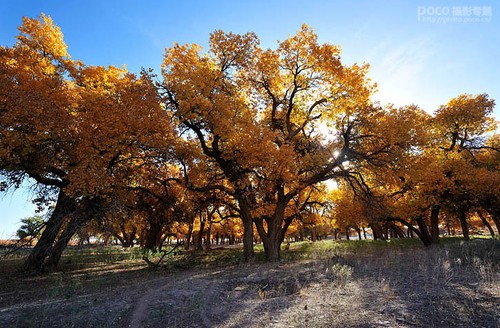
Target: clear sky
(421, 52)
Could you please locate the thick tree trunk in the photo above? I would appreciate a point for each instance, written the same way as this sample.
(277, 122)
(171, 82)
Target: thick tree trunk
(86, 211)
(271, 245)
(246, 218)
(358, 230)
(364, 232)
(273, 250)
(64, 206)
(377, 232)
(34, 262)
(347, 230)
(248, 253)
(435, 224)
(153, 235)
(275, 231)
(62, 242)
(462, 217)
(270, 240)
(424, 236)
(199, 241)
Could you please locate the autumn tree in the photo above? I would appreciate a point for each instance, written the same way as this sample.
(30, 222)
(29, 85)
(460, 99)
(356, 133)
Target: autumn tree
(348, 210)
(238, 134)
(488, 198)
(462, 126)
(260, 116)
(305, 214)
(71, 128)
(447, 168)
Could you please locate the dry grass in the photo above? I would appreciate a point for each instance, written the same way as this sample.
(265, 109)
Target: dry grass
(325, 284)
(7, 242)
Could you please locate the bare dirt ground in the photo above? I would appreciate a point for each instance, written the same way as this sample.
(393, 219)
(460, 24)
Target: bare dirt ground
(365, 287)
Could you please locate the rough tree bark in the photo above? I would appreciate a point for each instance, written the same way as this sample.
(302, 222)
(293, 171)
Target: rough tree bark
(188, 236)
(424, 236)
(208, 236)
(274, 236)
(154, 234)
(462, 217)
(35, 261)
(199, 239)
(86, 210)
(246, 218)
(58, 248)
(435, 224)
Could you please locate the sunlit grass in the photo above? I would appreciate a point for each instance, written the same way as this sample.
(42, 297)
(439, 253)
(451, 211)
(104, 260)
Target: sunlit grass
(390, 264)
(79, 258)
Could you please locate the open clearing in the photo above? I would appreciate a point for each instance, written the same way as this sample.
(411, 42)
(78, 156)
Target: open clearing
(323, 284)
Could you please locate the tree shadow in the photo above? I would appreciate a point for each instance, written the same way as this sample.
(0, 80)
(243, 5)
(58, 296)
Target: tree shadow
(244, 296)
(428, 288)
(360, 287)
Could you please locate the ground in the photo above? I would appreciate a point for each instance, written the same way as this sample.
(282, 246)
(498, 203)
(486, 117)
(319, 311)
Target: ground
(326, 284)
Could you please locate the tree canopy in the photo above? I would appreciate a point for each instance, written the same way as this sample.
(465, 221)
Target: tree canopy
(236, 141)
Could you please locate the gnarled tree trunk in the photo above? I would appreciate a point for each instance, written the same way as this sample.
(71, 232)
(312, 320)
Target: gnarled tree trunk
(153, 234)
(435, 224)
(462, 217)
(60, 245)
(277, 226)
(275, 231)
(424, 236)
(246, 218)
(64, 207)
(87, 210)
(199, 239)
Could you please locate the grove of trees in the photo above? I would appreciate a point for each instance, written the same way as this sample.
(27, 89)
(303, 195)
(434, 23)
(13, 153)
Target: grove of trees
(235, 143)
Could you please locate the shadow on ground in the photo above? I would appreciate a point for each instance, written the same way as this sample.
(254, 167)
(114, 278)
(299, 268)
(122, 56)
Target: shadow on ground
(447, 286)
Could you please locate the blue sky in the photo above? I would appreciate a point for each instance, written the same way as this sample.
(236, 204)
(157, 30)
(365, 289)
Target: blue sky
(414, 58)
